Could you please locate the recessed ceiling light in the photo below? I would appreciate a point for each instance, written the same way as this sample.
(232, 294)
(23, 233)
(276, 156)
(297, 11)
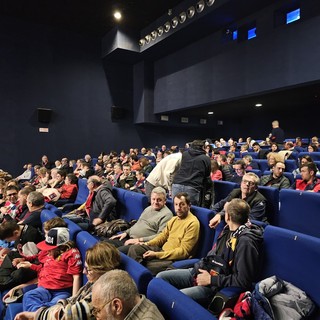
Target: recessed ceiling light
(210, 112)
(117, 15)
(258, 104)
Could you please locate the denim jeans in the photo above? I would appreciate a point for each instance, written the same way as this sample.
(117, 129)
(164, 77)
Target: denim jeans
(193, 193)
(183, 280)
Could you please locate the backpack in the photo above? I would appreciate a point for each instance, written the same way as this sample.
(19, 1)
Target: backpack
(110, 228)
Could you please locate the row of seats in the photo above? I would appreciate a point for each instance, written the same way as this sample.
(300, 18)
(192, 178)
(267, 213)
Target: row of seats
(287, 208)
(282, 247)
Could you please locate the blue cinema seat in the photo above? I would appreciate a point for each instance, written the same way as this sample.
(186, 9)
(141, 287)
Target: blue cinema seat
(139, 273)
(173, 304)
(272, 207)
(222, 189)
(299, 211)
(293, 257)
(130, 204)
(81, 198)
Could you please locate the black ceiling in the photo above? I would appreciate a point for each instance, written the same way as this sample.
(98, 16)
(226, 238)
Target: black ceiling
(93, 17)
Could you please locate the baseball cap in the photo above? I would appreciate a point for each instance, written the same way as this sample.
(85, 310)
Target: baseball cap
(54, 238)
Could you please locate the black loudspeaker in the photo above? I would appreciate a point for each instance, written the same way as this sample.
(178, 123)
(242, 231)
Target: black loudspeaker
(44, 115)
(117, 113)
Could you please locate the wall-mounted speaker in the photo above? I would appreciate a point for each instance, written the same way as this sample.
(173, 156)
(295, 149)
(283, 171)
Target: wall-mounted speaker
(117, 113)
(44, 115)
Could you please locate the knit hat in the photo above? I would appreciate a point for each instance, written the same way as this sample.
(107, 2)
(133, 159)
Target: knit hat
(54, 238)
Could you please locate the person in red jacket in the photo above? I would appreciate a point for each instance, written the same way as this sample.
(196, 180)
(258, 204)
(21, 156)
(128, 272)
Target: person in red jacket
(309, 180)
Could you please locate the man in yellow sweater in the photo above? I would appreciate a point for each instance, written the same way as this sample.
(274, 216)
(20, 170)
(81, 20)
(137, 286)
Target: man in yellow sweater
(177, 241)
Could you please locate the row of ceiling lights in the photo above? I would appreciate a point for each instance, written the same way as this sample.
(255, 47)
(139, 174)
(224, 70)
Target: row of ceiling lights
(199, 7)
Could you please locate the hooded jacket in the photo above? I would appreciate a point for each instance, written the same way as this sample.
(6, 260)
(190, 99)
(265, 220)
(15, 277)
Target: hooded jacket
(194, 169)
(244, 268)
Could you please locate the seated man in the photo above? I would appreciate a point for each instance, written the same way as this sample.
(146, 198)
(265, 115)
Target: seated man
(239, 168)
(248, 191)
(238, 251)
(35, 203)
(127, 179)
(99, 206)
(309, 180)
(177, 240)
(11, 204)
(151, 222)
(276, 179)
(125, 303)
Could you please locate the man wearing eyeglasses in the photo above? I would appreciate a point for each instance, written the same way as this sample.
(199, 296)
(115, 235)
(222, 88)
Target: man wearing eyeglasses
(248, 191)
(12, 202)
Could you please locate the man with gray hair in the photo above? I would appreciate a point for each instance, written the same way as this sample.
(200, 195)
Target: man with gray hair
(115, 296)
(151, 222)
(35, 203)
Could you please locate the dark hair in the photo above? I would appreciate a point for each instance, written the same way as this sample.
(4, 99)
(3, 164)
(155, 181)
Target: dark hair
(185, 195)
(73, 178)
(7, 228)
(62, 173)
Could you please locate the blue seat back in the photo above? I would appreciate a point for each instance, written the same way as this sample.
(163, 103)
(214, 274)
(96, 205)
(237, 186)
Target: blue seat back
(53, 208)
(256, 171)
(314, 155)
(291, 165)
(140, 274)
(222, 189)
(272, 207)
(263, 164)
(293, 257)
(74, 229)
(299, 211)
(46, 215)
(83, 191)
(130, 204)
(206, 233)
(84, 241)
(173, 304)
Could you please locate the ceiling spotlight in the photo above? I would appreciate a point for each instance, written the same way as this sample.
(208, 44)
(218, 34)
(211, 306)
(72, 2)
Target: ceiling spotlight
(210, 112)
(154, 35)
(160, 31)
(117, 15)
(182, 17)
(174, 22)
(190, 12)
(200, 6)
(167, 26)
(147, 38)
(258, 104)
(142, 42)
(210, 2)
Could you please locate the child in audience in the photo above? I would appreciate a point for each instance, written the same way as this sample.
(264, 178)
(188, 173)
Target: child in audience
(58, 272)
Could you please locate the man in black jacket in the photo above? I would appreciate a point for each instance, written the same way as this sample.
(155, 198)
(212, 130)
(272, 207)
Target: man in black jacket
(248, 191)
(194, 171)
(233, 261)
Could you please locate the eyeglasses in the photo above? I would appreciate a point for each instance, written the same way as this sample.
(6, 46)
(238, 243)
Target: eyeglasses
(249, 183)
(95, 310)
(12, 194)
(87, 269)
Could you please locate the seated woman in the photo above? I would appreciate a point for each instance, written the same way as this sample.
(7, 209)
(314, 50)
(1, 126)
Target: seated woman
(101, 258)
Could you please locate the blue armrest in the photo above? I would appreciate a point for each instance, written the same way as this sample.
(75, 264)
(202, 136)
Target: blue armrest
(183, 264)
